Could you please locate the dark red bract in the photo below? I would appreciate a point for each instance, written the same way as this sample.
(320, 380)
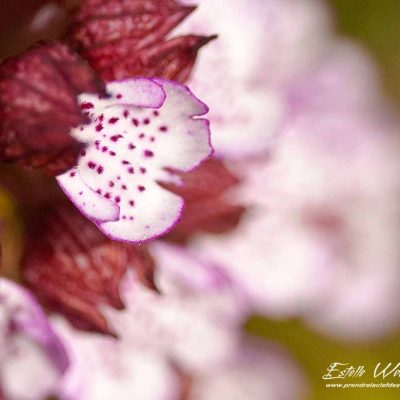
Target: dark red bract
(127, 38)
(206, 207)
(74, 269)
(39, 105)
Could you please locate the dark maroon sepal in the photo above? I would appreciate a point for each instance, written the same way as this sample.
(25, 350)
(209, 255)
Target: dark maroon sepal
(206, 207)
(39, 92)
(124, 39)
(171, 59)
(75, 270)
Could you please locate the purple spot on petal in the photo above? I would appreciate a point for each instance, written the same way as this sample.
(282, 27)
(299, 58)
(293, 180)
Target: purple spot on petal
(113, 120)
(141, 188)
(163, 128)
(86, 106)
(112, 153)
(91, 165)
(100, 169)
(143, 170)
(146, 121)
(118, 199)
(156, 113)
(119, 96)
(131, 170)
(148, 153)
(135, 122)
(115, 138)
(131, 146)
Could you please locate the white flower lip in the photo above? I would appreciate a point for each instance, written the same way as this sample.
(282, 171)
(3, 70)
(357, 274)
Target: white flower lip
(143, 131)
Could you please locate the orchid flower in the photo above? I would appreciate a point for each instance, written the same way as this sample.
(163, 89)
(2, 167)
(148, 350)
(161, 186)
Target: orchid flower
(112, 149)
(303, 196)
(130, 134)
(143, 131)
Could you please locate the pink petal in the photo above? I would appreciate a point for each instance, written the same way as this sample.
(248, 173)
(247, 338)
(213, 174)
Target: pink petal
(256, 371)
(104, 368)
(142, 132)
(32, 358)
(178, 322)
(250, 69)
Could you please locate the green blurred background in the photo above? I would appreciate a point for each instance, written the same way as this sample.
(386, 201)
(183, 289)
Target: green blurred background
(376, 24)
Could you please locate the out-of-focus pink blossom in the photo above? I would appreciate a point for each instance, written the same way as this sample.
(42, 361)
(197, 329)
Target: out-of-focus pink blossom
(345, 82)
(244, 75)
(157, 334)
(191, 329)
(197, 311)
(256, 371)
(32, 358)
(320, 238)
(103, 368)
